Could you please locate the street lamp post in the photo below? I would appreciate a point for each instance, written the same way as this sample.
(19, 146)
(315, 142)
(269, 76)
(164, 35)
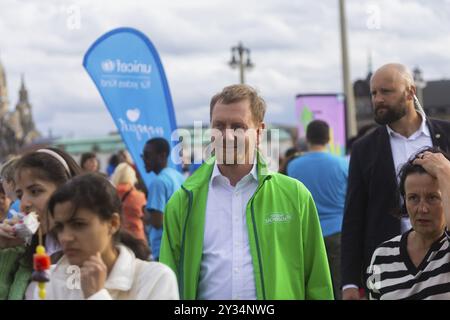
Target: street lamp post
(237, 60)
(348, 88)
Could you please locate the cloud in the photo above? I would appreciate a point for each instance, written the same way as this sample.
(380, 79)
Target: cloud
(295, 47)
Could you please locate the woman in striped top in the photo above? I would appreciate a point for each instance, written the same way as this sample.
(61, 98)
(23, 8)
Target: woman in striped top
(416, 265)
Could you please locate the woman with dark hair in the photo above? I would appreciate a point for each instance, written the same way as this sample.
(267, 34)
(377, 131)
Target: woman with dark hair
(36, 175)
(111, 262)
(89, 162)
(416, 265)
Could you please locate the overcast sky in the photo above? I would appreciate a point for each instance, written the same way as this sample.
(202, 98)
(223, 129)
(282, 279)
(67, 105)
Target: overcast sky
(294, 45)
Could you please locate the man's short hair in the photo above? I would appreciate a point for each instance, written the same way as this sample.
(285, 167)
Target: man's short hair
(237, 93)
(318, 132)
(160, 145)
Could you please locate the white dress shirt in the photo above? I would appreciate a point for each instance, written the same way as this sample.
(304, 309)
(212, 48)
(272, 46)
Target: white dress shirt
(403, 148)
(226, 270)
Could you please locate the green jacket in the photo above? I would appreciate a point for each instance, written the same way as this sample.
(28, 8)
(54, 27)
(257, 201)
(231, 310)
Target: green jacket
(286, 243)
(15, 273)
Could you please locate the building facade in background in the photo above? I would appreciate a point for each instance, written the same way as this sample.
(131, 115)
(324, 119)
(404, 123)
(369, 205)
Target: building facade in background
(17, 128)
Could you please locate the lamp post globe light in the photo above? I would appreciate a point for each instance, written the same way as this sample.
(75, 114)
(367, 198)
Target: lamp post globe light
(240, 58)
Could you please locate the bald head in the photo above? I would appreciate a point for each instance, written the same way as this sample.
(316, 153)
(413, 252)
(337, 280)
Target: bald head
(395, 72)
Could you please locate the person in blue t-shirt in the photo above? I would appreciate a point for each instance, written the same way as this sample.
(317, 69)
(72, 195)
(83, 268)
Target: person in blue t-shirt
(166, 182)
(325, 175)
(14, 208)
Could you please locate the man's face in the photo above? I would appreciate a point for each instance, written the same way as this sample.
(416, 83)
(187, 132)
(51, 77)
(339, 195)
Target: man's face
(389, 93)
(235, 133)
(151, 158)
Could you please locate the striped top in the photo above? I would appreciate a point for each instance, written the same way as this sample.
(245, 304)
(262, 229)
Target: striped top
(393, 276)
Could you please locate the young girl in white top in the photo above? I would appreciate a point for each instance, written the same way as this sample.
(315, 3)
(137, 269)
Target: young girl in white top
(100, 260)
(36, 176)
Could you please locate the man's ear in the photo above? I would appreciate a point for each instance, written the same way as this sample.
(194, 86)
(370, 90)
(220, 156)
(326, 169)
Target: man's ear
(259, 132)
(411, 92)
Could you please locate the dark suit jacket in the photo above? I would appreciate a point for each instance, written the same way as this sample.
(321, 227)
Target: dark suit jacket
(372, 197)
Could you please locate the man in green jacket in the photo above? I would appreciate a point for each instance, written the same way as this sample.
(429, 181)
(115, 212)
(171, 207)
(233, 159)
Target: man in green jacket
(237, 231)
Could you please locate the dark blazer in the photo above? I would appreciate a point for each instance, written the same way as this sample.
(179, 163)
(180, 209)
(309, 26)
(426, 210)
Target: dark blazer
(372, 198)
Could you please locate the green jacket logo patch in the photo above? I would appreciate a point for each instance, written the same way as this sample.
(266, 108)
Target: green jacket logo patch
(278, 217)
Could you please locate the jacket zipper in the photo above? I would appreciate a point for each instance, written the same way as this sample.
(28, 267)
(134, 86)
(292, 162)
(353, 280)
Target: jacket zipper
(258, 250)
(180, 267)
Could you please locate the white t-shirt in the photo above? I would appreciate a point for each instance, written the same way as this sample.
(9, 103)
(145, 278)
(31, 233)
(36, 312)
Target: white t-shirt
(129, 279)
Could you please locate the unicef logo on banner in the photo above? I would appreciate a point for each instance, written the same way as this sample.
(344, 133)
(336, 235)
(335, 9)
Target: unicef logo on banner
(118, 73)
(108, 66)
(126, 67)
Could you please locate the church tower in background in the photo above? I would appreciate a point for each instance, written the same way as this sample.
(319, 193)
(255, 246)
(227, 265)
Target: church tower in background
(3, 92)
(23, 109)
(17, 128)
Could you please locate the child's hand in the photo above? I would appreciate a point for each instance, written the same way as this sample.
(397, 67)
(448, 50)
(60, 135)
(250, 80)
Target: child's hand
(14, 220)
(93, 275)
(8, 237)
(7, 230)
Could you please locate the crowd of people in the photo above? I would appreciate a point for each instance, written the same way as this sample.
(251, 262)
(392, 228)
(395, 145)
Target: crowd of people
(373, 227)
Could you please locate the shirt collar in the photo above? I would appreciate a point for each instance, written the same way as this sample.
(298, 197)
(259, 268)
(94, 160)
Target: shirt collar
(216, 174)
(422, 130)
(122, 274)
